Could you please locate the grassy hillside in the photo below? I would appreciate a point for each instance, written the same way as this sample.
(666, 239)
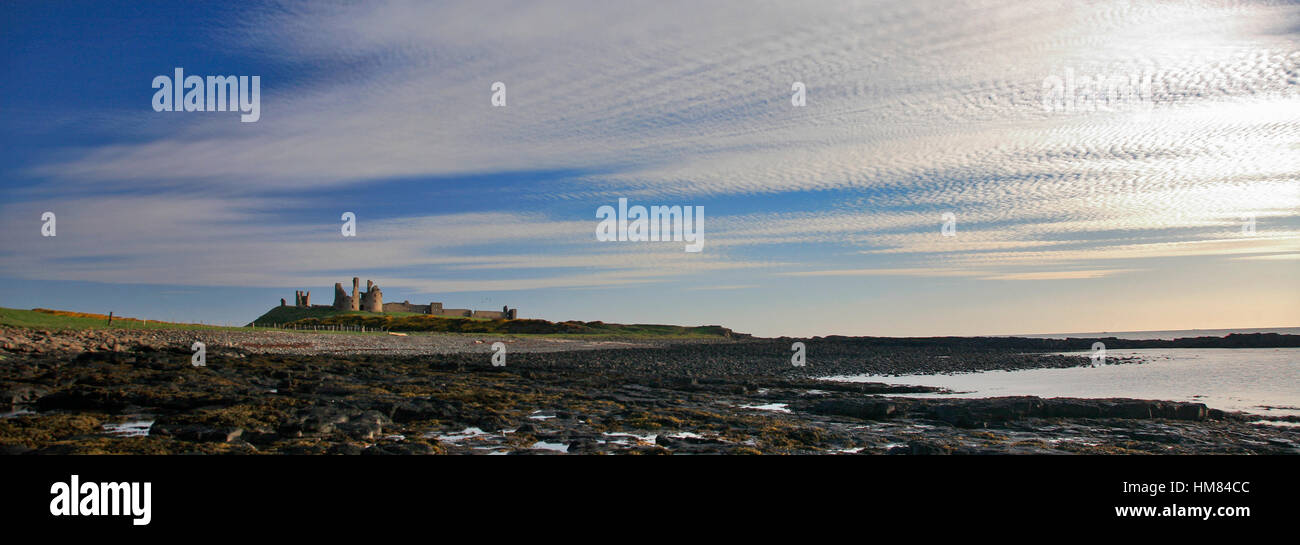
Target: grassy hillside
(397, 321)
(41, 318)
(424, 322)
(286, 315)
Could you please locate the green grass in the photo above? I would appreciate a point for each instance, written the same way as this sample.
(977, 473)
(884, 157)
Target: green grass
(445, 324)
(37, 319)
(374, 323)
(286, 314)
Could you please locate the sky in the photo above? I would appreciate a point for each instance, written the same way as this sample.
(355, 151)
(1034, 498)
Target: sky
(955, 168)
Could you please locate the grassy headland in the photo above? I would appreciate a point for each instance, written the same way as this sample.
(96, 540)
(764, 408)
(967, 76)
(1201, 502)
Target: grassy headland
(301, 318)
(41, 318)
(410, 322)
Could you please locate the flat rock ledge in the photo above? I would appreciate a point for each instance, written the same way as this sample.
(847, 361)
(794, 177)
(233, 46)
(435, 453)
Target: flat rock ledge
(979, 413)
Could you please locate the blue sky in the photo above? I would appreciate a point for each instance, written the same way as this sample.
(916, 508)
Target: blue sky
(821, 219)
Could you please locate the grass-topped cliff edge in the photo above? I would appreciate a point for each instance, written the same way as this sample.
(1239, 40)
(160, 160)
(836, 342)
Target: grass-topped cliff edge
(307, 318)
(42, 318)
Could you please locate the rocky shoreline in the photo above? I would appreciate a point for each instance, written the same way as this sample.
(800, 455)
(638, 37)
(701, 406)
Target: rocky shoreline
(36, 342)
(275, 392)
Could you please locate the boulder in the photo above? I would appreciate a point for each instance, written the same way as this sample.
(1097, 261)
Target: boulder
(978, 413)
(1127, 409)
(82, 397)
(864, 408)
(1072, 408)
(196, 432)
(17, 393)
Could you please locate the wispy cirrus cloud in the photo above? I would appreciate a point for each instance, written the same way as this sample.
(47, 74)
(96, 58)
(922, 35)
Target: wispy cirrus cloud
(1059, 275)
(915, 109)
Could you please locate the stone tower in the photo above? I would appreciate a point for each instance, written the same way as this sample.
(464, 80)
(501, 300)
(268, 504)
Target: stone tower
(341, 299)
(372, 300)
(356, 300)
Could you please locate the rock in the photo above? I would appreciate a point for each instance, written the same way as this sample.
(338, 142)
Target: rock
(1168, 438)
(400, 448)
(365, 426)
(344, 448)
(1072, 408)
(13, 448)
(1191, 411)
(196, 432)
(488, 419)
(697, 445)
(867, 409)
(17, 393)
(583, 445)
(918, 447)
(1127, 409)
(80, 397)
(978, 413)
(423, 409)
(313, 421)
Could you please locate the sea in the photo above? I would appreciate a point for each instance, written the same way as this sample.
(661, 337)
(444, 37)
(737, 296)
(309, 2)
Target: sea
(1261, 381)
(1161, 335)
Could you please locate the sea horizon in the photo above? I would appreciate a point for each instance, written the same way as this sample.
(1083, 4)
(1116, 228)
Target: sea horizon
(1160, 334)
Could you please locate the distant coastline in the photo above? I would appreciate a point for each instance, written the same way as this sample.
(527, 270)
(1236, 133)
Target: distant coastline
(1164, 334)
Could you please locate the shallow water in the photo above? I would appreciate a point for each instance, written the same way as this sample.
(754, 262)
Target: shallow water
(545, 445)
(17, 411)
(130, 428)
(775, 407)
(1264, 381)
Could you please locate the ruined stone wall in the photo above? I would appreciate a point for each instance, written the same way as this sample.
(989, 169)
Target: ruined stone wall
(406, 306)
(356, 299)
(342, 301)
(372, 300)
(506, 313)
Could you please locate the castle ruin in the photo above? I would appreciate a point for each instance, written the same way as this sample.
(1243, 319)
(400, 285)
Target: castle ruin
(372, 300)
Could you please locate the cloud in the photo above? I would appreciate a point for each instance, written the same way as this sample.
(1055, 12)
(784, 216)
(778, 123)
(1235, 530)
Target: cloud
(1059, 275)
(700, 104)
(234, 242)
(912, 112)
(1273, 257)
(882, 272)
